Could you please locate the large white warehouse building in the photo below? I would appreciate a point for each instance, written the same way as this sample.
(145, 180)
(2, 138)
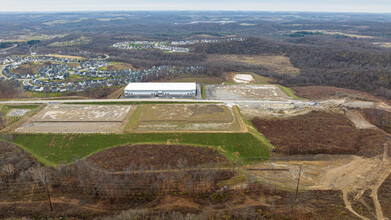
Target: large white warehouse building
(160, 89)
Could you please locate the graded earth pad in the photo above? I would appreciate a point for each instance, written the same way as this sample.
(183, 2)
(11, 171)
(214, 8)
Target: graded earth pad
(243, 78)
(17, 112)
(186, 118)
(82, 113)
(241, 91)
(77, 119)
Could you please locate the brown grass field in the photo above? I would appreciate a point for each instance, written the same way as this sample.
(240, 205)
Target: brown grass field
(186, 113)
(185, 118)
(66, 56)
(204, 80)
(119, 66)
(326, 92)
(278, 64)
(29, 68)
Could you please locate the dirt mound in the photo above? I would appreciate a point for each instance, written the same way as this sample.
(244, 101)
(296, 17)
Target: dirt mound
(320, 133)
(158, 156)
(326, 92)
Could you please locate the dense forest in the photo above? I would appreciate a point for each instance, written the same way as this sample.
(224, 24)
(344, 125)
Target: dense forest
(9, 89)
(333, 49)
(334, 65)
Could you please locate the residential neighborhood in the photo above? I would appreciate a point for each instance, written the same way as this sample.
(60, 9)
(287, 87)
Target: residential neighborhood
(171, 47)
(141, 45)
(58, 76)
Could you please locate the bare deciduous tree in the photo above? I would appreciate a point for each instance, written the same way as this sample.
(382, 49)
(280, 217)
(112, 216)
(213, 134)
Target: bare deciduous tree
(41, 176)
(8, 170)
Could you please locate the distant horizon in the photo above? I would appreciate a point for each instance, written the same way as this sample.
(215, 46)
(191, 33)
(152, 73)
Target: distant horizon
(326, 6)
(100, 11)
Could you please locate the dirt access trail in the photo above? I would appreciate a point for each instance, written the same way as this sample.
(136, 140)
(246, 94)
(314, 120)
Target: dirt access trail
(357, 176)
(353, 175)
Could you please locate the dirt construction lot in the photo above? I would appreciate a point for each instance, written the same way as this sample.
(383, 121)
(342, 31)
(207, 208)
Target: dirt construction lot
(242, 91)
(353, 175)
(195, 118)
(82, 113)
(78, 119)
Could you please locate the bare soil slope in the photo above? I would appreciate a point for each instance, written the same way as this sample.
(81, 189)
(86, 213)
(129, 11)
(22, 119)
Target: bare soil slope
(378, 117)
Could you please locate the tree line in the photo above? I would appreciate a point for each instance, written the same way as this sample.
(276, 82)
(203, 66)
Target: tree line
(350, 67)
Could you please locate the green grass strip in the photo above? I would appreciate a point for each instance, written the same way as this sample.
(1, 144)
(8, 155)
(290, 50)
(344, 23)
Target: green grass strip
(55, 149)
(289, 92)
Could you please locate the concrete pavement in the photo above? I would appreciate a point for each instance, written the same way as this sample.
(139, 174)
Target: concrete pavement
(301, 102)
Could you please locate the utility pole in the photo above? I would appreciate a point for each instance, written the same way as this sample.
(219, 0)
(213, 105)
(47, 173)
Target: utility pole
(297, 192)
(50, 201)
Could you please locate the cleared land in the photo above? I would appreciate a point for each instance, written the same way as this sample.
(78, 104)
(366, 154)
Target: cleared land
(250, 91)
(354, 176)
(383, 44)
(64, 56)
(16, 110)
(278, 64)
(378, 117)
(204, 80)
(77, 113)
(79, 41)
(358, 119)
(297, 33)
(29, 68)
(77, 119)
(156, 156)
(256, 78)
(320, 132)
(118, 66)
(185, 118)
(14, 115)
(243, 78)
(326, 92)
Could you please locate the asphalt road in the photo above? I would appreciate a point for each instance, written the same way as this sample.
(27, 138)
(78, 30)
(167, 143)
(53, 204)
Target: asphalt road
(1, 71)
(300, 102)
(5, 49)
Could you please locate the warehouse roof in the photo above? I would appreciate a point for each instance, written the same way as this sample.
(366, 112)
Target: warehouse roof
(137, 86)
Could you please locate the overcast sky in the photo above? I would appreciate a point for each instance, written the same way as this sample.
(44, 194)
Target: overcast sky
(380, 6)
